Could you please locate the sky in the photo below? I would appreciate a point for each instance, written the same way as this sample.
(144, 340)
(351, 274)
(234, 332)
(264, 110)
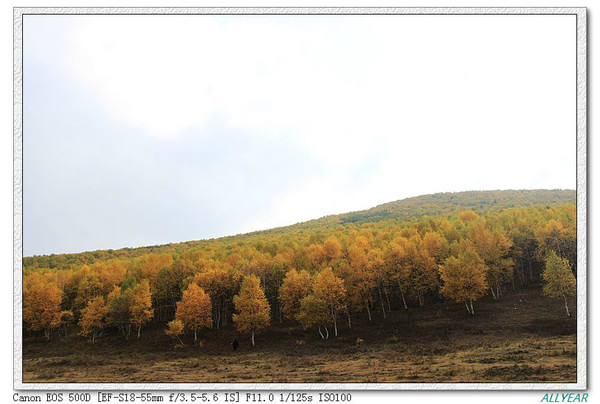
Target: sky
(144, 130)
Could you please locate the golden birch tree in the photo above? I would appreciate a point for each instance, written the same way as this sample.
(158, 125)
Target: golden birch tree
(253, 309)
(194, 309)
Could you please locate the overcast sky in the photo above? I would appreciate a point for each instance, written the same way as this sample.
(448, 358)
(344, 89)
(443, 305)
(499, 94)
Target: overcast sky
(142, 130)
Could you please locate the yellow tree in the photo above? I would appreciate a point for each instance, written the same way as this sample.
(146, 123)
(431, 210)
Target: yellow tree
(330, 290)
(360, 281)
(559, 278)
(464, 278)
(381, 276)
(88, 287)
(422, 269)
(220, 285)
(436, 246)
(332, 249)
(253, 309)
(493, 247)
(175, 329)
(93, 317)
(467, 216)
(296, 285)
(41, 304)
(141, 305)
(194, 309)
(397, 266)
(315, 256)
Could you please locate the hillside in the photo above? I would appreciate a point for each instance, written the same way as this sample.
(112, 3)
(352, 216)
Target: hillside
(445, 287)
(447, 204)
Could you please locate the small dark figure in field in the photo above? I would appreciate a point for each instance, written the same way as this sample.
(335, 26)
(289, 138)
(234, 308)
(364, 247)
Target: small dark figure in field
(235, 344)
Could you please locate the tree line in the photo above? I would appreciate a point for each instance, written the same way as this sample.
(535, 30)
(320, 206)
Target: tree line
(318, 278)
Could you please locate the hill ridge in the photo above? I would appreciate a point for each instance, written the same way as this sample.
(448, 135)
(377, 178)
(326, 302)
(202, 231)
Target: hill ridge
(435, 204)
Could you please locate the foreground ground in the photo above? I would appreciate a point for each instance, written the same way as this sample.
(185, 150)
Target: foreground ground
(524, 337)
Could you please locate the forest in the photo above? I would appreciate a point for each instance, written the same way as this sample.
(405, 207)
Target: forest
(322, 278)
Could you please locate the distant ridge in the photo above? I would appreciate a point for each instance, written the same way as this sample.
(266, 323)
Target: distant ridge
(443, 204)
(438, 204)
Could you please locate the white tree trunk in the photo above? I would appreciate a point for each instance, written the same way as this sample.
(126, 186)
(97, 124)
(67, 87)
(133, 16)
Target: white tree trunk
(320, 333)
(381, 300)
(387, 298)
(567, 306)
(368, 310)
(252, 336)
(335, 325)
(472, 310)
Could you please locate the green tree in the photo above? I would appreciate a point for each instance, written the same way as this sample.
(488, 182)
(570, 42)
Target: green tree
(313, 311)
(559, 279)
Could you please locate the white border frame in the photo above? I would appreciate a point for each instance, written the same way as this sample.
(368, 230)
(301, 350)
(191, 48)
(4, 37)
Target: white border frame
(581, 130)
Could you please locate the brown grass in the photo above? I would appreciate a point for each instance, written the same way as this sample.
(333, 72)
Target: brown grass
(522, 338)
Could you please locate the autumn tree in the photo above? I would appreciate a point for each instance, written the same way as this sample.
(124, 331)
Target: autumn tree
(467, 216)
(118, 306)
(332, 249)
(194, 309)
(41, 305)
(220, 285)
(381, 276)
(464, 278)
(66, 319)
(556, 236)
(521, 225)
(175, 329)
(167, 285)
(493, 247)
(315, 256)
(359, 280)
(150, 265)
(436, 246)
(559, 279)
(296, 285)
(421, 270)
(253, 310)
(93, 318)
(397, 266)
(88, 287)
(330, 290)
(140, 305)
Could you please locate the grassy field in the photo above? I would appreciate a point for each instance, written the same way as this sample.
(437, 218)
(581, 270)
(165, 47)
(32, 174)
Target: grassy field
(524, 337)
